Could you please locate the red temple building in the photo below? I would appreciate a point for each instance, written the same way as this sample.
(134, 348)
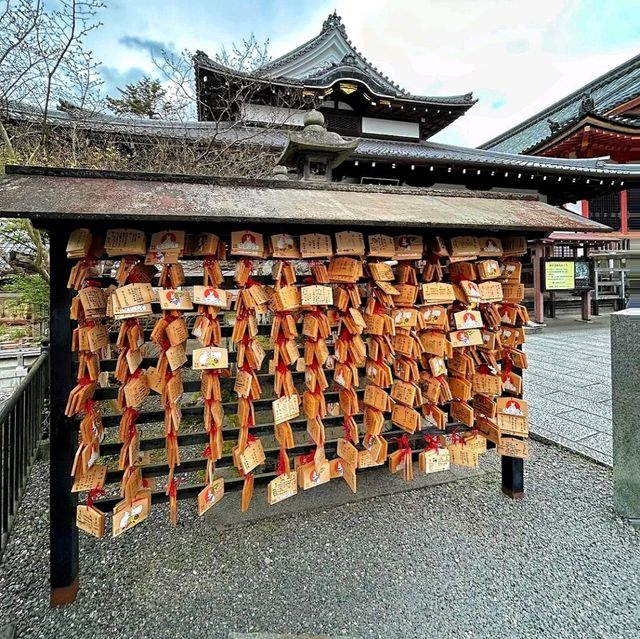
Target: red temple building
(599, 120)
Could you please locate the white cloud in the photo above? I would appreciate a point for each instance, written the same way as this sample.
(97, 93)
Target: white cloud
(513, 54)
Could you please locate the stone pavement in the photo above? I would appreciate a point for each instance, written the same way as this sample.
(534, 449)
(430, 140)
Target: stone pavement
(568, 386)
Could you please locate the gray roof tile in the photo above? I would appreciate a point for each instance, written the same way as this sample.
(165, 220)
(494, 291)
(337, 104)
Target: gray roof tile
(370, 149)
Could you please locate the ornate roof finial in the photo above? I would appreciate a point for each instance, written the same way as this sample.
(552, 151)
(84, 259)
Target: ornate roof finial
(334, 21)
(553, 125)
(587, 105)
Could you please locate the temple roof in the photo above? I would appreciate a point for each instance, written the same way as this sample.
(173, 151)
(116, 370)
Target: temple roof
(276, 138)
(580, 177)
(82, 196)
(615, 129)
(600, 97)
(331, 56)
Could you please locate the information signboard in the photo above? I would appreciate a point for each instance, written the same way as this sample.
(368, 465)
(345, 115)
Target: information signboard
(568, 275)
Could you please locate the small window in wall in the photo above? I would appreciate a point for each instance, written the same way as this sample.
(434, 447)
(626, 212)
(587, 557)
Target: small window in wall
(558, 250)
(605, 205)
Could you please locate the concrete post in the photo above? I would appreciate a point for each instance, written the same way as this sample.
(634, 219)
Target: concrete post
(625, 374)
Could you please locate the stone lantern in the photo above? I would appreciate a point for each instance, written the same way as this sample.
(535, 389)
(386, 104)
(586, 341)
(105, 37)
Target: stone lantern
(315, 152)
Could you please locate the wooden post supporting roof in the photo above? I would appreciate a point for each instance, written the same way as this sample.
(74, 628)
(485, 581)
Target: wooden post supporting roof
(624, 211)
(63, 437)
(538, 297)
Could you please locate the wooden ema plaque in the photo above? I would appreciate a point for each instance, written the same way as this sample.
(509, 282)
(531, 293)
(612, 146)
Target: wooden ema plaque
(316, 295)
(512, 447)
(90, 520)
(247, 244)
(119, 242)
(282, 487)
(210, 495)
(381, 246)
(285, 408)
(314, 245)
(252, 456)
(349, 243)
(210, 358)
(512, 416)
(310, 476)
(434, 461)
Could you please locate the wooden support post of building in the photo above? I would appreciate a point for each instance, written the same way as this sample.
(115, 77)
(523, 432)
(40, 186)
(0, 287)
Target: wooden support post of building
(586, 305)
(624, 211)
(552, 305)
(513, 477)
(513, 467)
(62, 502)
(538, 297)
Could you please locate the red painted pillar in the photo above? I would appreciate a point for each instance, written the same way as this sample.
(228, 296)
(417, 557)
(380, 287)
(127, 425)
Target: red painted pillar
(624, 212)
(585, 208)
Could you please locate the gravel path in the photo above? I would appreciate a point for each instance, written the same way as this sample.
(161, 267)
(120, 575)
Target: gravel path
(457, 560)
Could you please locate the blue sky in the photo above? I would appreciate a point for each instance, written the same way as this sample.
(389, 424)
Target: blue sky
(517, 56)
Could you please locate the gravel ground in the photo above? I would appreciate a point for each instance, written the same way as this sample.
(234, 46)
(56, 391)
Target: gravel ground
(457, 560)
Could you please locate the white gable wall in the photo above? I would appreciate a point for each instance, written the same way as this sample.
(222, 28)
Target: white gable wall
(333, 49)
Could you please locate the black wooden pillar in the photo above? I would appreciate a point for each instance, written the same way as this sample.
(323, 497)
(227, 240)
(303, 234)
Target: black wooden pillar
(63, 439)
(513, 477)
(513, 467)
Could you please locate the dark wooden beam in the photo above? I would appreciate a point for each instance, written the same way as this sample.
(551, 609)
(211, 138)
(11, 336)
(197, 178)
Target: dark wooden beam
(63, 438)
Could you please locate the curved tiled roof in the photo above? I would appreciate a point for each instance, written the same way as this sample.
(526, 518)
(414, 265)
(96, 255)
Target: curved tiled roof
(624, 125)
(353, 66)
(610, 90)
(367, 149)
(330, 26)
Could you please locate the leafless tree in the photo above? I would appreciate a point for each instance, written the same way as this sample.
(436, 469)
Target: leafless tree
(247, 57)
(18, 22)
(232, 143)
(42, 58)
(23, 250)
